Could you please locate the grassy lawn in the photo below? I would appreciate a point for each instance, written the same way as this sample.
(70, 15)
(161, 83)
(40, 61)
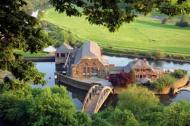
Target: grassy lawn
(144, 34)
(28, 54)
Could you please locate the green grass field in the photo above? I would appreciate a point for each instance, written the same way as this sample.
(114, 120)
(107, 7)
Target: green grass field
(28, 54)
(144, 34)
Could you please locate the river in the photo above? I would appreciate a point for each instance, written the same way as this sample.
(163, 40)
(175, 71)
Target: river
(48, 68)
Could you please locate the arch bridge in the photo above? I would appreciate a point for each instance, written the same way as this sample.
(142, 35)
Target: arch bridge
(95, 98)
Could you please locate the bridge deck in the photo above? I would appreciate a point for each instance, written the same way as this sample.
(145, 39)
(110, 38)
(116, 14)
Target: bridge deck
(90, 106)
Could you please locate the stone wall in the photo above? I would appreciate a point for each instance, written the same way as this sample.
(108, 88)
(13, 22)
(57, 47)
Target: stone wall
(62, 79)
(90, 67)
(178, 84)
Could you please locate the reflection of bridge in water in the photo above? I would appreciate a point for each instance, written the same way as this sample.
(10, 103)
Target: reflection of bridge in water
(95, 98)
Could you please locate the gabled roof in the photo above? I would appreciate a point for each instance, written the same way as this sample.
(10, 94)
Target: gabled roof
(64, 48)
(89, 50)
(137, 64)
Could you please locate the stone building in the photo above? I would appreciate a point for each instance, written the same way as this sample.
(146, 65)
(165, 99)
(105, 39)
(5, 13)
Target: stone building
(63, 56)
(89, 62)
(141, 71)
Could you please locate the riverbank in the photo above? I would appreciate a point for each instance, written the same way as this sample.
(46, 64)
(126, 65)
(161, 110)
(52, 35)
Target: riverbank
(128, 55)
(51, 58)
(41, 59)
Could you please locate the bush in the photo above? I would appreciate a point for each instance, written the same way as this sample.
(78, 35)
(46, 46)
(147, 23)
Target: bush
(139, 100)
(163, 82)
(179, 73)
(41, 107)
(114, 117)
(158, 54)
(164, 21)
(183, 22)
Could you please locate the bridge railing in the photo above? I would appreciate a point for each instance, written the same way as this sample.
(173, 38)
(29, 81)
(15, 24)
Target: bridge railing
(88, 96)
(103, 95)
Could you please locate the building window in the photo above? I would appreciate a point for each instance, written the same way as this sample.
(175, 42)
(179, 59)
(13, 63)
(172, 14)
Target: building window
(57, 54)
(84, 70)
(62, 54)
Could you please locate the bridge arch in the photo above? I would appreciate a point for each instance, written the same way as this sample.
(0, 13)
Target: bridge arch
(87, 97)
(102, 97)
(95, 98)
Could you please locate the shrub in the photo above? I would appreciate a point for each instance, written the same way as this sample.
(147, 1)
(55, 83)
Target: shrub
(139, 100)
(183, 22)
(163, 82)
(158, 54)
(179, 73)
(164, 21)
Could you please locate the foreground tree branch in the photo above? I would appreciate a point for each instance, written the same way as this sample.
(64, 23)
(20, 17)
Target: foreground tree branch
(113, 13)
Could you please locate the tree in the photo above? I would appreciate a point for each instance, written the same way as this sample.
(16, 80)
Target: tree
(114, 117)
(41, 107)
(139, 101)
(176, 114)
(18, 30)
(29, 7)
(112, 13)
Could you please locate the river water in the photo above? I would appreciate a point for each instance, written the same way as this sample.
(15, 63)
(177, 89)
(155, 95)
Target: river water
(77, 95)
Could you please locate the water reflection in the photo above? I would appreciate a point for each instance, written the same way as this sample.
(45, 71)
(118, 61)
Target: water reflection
(77, 96)
(48, 68)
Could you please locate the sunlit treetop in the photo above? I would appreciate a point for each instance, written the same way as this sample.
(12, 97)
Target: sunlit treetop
(112, 13)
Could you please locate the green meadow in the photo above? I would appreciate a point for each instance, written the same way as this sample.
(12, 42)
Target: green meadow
(144, 34)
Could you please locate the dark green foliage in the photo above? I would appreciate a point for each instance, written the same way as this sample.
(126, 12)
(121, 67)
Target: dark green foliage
(23, 71)
(26, 71)
(19, 30)
(179, 73)
(112, 13)
(83, 119)
(114, 117)
(164, 81)
(41, 107)
(100, 122)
